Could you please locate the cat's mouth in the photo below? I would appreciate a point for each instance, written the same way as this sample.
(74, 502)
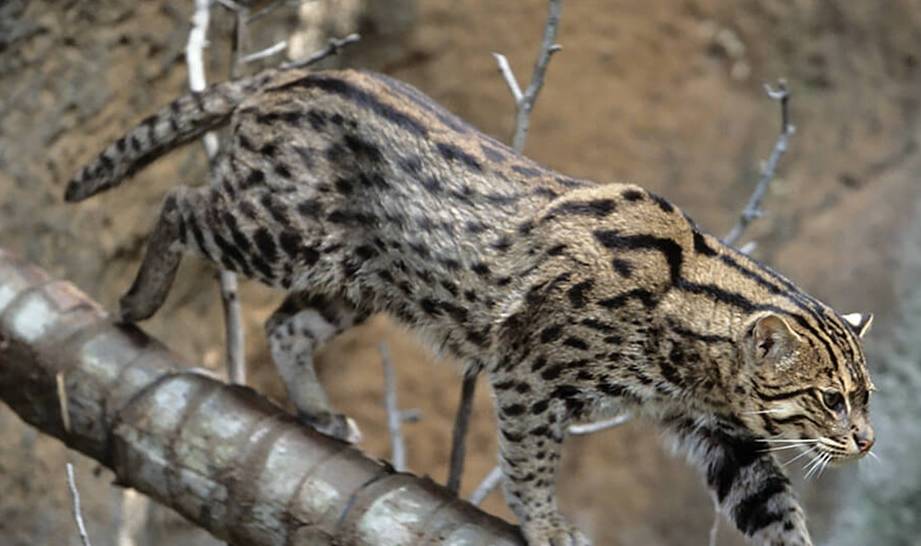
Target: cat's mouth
(829, 452)
(814, 454)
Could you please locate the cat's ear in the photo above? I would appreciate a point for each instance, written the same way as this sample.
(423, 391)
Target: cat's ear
(772, 339)
(859, 323)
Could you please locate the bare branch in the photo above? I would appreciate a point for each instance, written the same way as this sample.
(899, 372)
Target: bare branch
(334, 46)
(233, 329)
(394, 416)
(265, 53)
(524, 101)
(752, 209)
(487, 486)
(260, 13)
(64, 409)
(458, 436)
(221, 455)
(198, 38)
(233, 321)
(509, 77)
(547, 49)
(75, 498)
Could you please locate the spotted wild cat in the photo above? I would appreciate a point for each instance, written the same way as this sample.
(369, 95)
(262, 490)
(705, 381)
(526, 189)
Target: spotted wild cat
(357, 194)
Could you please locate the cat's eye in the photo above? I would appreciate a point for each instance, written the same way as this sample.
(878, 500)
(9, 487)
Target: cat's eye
(833, 400)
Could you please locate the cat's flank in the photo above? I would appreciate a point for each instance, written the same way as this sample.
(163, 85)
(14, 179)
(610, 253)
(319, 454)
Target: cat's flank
(357, 194)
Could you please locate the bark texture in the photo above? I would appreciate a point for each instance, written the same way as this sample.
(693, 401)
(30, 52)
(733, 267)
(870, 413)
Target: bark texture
(222, 456)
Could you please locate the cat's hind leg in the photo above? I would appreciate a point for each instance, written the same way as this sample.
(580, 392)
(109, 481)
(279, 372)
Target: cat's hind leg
(296, 331)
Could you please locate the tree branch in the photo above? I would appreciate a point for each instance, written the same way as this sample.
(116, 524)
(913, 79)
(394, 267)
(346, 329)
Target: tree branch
(333, 47)
(220, 455)
(524, 101)
(487, 486)
(233, 320)
(752, 209)
(64, 408)
(458, 435)
(394, 415)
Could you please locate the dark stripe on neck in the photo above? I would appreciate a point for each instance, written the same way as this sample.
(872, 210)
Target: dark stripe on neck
(790, 292)
(738, 300)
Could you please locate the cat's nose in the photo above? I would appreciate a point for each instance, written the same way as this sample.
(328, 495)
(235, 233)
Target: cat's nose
(864, 439)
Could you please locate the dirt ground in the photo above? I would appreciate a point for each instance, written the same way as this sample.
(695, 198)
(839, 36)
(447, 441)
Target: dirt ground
(664, 93)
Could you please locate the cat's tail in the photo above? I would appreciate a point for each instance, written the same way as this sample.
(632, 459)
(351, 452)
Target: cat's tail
(182, 121)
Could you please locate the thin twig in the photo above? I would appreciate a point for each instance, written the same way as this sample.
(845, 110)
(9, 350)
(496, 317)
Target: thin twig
(265, 53)
(458, 437)
(524, 101)
(752, 209)
(260, 13)
(69, 467)
(239, 40)
(233, 321)
(394, 416)
(489, 483)
(333, 47)
(75, 497)
(509, 77)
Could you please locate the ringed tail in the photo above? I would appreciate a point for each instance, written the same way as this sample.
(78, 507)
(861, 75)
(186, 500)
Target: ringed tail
(183, 120)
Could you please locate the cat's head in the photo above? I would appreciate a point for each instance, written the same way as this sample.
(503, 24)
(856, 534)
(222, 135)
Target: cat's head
(809, 385)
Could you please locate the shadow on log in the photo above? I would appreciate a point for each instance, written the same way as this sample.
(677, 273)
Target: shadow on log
(223, 456)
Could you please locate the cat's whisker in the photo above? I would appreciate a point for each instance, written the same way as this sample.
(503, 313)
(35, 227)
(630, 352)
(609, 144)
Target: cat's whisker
(814, 464)
(798, 457)
(790, 441)
(782, 448)
(824, 465)
(823, 460)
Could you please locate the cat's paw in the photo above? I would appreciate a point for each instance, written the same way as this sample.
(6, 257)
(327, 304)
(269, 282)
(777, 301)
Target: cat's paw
(335, 425)
(554, 531)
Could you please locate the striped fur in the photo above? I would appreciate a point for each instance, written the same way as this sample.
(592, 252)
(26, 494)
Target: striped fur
(574, 299)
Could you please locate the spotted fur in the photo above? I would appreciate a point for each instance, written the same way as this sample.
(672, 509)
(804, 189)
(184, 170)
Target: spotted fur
(574, 299)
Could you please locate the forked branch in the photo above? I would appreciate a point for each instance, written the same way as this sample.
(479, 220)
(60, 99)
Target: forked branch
(524, 104)
(525, 100)
(752, 210)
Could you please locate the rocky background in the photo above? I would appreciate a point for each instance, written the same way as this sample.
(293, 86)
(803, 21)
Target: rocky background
(664, 93)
